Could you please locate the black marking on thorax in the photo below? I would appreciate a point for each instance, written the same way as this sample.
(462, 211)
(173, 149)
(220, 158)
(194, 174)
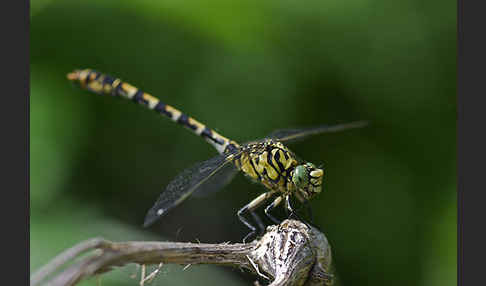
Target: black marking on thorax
(277, 159)
(264, 174)
(270, 161)
(254, 169)
(287, 155)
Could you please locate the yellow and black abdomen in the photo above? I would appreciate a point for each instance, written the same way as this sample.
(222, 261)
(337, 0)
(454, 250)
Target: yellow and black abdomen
(268, 162)
(104, 84)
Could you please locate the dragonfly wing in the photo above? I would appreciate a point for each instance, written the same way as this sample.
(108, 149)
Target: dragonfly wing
(292, 135)
(184, 184)
(216, 182)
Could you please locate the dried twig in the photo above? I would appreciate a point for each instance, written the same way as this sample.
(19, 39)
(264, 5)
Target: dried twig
(287, 254)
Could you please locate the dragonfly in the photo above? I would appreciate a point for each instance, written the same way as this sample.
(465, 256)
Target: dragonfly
(267, 161)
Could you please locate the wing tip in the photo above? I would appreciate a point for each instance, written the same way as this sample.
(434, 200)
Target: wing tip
(148, 222)
(151, 217)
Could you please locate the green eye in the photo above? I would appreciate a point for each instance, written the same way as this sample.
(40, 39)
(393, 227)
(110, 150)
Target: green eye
(300, 177)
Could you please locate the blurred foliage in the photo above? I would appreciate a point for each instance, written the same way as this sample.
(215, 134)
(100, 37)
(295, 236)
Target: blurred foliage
(246, 68)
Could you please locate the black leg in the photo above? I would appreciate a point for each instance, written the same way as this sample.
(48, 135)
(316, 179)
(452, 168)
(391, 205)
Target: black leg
(288, 207)
(271, 206)
(309, 211)
(258, 201)
(259, 222)
(245, 221)
(304, 204)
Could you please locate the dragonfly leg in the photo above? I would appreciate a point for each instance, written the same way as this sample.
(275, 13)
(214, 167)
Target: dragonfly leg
(311, 217)
(245, 222)
(309, 211)
(275, 203)
(288, 206)
(250, 207)
(293, 213)
(306, 204)
(258, 220)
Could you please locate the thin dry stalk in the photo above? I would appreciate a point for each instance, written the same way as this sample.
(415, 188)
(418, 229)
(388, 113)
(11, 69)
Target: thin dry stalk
(287, 254)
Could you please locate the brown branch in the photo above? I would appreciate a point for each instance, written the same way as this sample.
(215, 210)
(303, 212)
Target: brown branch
(287, 254)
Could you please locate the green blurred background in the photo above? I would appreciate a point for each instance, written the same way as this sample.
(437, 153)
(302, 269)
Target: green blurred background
(245, 68)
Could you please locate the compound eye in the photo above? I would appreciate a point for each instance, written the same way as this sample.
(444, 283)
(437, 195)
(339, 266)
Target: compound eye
(311, 165)
(300, 177)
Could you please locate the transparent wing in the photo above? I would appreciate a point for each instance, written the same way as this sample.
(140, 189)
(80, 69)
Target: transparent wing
(292, 135)
(217, 181)
(183, 185)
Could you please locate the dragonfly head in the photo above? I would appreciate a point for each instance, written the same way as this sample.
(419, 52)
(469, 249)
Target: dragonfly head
(307, 178)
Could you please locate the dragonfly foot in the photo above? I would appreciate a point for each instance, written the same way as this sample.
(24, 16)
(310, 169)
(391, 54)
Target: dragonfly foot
(248, 235)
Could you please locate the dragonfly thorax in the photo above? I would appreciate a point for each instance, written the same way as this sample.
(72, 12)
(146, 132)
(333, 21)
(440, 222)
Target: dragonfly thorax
(277, 168)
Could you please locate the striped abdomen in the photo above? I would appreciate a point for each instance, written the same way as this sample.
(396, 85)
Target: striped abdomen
(270, 163)
(104, 84)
